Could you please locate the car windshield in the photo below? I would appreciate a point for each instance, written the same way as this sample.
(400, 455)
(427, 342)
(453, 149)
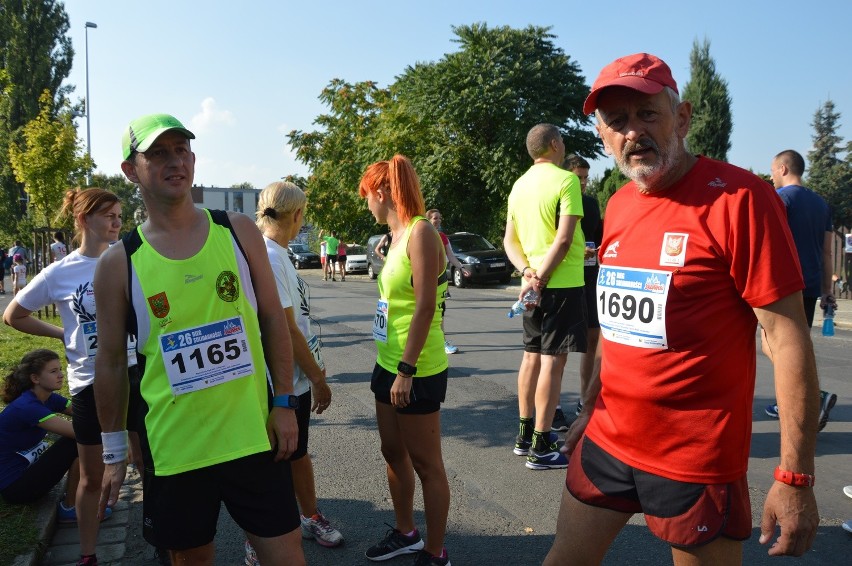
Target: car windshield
(469, 243)
(299, 248)
(356, 250)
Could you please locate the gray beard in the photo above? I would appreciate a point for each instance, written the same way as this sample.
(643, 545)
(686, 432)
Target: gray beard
(646, 176)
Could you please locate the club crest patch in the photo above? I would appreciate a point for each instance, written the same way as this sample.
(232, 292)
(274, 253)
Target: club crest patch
(673, 251)
(159, 304)
(228, 286)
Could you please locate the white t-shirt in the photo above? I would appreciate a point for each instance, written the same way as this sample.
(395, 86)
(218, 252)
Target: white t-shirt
(294, 293)
(20, 273)
(58, 250)
(68, 284)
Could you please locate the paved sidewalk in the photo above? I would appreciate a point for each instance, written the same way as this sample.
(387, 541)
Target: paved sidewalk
(64, 547)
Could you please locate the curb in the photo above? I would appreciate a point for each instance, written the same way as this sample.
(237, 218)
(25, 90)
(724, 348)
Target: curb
(46, 521)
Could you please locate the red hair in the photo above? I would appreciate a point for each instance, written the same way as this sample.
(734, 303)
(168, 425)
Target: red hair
(397, 175)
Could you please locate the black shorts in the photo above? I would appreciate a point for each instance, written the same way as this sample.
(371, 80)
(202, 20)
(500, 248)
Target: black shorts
(591, 306)
(341, 259)
(427, 393)
(84, 417)
(303, 419)
(181, 511)
(810, 307)
(558, 324)
(332, 258)
(680, 513)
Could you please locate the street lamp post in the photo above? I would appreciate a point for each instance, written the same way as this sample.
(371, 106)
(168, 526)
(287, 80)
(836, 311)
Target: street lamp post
(88, 108)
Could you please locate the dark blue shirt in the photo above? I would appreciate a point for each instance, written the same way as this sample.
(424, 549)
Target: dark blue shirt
(809, 218)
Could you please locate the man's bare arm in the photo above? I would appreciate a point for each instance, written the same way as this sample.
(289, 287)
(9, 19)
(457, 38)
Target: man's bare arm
(797, 391)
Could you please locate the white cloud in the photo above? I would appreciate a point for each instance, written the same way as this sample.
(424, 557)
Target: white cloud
(211, 116)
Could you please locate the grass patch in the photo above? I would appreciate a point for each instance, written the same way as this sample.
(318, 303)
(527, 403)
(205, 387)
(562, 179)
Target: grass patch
(18, 528)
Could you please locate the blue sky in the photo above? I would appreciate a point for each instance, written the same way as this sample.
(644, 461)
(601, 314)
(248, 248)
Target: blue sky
(243, 74)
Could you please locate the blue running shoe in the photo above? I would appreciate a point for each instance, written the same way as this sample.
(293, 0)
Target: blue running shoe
(66, 515)
(772, 410)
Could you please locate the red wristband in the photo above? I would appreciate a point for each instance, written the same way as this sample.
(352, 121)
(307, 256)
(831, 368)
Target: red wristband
(794, 479)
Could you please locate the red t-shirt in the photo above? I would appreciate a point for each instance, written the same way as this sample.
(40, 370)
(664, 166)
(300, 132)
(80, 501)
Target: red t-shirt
(444, 239)
(720, 237)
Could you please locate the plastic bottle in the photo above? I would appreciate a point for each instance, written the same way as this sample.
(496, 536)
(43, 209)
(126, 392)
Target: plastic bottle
(521, 304)
(828, 320)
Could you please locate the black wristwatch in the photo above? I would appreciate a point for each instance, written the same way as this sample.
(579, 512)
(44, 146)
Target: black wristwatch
(286, 401)
(406, 369)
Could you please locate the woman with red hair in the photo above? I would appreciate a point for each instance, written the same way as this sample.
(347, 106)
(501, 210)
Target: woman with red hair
(410, 377)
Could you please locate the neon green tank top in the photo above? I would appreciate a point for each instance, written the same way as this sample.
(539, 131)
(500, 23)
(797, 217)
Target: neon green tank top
(204, 379)
(396, 289)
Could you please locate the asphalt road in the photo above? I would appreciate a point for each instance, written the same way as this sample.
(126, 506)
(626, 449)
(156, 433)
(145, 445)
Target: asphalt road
(501, 512)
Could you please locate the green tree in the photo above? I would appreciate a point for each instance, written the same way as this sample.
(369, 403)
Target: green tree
(48, 156)
(35, 54)
(613, 179)
(245, 185)
(710, 131)
(464, 119)
(338, 154)
(830, 174)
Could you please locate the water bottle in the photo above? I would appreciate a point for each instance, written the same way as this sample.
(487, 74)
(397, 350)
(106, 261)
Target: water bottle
(828, 320)
(520, 305)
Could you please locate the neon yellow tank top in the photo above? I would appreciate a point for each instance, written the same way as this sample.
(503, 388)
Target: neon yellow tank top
(396, 288)
(204, 379)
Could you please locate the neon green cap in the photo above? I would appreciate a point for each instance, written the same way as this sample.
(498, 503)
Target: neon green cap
(144, 131)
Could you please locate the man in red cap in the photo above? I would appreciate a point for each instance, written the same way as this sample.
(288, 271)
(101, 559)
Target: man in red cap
(693, 250)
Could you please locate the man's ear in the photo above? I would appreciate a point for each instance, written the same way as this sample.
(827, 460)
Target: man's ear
(129, 170)
(683, 117)
(607, 149)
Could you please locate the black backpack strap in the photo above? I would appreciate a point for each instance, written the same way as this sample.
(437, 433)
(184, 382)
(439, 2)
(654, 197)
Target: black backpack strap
(131, 242)
(220, 217)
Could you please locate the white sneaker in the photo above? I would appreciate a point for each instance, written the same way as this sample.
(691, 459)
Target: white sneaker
(449, 348)
(318, 528)
(847, 526)
(848, 490)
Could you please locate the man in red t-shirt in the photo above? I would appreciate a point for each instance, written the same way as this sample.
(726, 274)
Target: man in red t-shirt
(695, 253)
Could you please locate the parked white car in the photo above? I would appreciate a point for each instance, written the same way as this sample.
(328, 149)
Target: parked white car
(356, 259)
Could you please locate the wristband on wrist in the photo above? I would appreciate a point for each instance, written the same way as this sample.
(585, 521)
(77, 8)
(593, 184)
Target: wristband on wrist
(793, 478)
(406, 370)
(524, 271)
(115, 446)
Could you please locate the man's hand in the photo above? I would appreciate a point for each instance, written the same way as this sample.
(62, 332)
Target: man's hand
(114, 475)
(283, 431)
(794, 509)
(321, 394)
(575, 432)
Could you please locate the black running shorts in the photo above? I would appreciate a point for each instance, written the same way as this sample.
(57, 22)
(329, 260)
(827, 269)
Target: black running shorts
(558, 324)
(680, 513)
(180, 511)
(427, 393)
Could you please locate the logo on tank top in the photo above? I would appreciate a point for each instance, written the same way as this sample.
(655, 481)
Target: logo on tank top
(228, 286)
(674, 249)
(159, 304)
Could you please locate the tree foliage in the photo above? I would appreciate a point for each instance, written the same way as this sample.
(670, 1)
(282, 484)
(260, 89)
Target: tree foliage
(46, 159)
(712, 122)
(830, 173)
(338, 154)
(35, 54)
(462, 120)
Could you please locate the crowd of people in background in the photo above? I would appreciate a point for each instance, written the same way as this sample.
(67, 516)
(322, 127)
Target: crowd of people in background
(685, 231)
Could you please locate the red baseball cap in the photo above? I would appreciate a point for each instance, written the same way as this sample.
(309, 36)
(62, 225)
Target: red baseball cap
(641, 71)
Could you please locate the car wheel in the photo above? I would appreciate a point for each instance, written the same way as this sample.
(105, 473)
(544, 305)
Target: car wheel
(297, 264)
(458, 278)
(370, 271)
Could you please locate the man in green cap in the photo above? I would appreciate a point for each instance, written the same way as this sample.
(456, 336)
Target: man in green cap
(196, 288)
